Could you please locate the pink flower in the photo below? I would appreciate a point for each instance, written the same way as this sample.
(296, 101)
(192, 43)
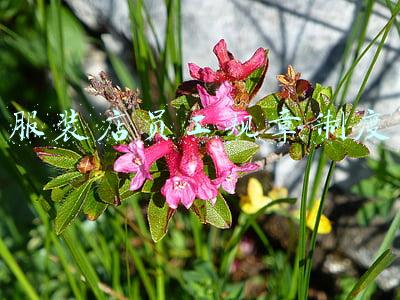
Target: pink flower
(138, 159)
(229, 68)
(187, 178)
(218, 110)
(192, 165)
(226, 170)
(178, 188)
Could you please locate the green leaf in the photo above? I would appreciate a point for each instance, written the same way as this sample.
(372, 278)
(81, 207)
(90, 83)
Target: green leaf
(58, 194)
(180, 101)
(92, 207)
(257, 115)
(158, 214)
(82, 128)
(355, 149)
(269, 105)
(108, 188)
(355, 118)
(61, 180)
(381, 263)
(218, 215)
(58, 157)
(323, 96)
(240, 151)
(124, 190)
(142, 120)
(256, 79)
(334, 150)
(297, 151)
(72, 205)
(155, 185)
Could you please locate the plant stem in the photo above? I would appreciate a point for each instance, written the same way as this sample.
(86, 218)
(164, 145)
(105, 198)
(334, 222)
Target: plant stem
(302, 229)
(160, 278)
(315, 231)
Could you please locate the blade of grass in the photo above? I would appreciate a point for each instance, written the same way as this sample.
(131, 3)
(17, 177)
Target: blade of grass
(386, 31)
(387, 27)
(309, 257)
(16, 270)
(144, 59)
(82, 260)
(64, 262)
(56, 54)
(381, 263)
(137, 260)
(302, 226)
(386, 244)
(363, 53)
(362, 28)
(243, 224)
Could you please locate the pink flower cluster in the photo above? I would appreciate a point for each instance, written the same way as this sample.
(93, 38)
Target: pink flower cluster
(220, 110)
(230, 69)
(187, 179)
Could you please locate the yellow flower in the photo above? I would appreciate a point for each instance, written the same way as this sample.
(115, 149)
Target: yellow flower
(325, 226)
(255, 198)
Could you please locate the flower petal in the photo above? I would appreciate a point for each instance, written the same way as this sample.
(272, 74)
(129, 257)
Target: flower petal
(221, 51)
(122, 148)
(137, 181)
(125, 164)
(205, 189)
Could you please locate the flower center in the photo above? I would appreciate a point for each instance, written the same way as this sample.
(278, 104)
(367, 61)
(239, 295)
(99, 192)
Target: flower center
(137, 161)
(180, 185)
(230, 177)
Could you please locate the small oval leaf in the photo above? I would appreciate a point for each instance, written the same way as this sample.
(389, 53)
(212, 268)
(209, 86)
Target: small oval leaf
(58, 157)
(240, 151)
(158, 214)
(355, 149)
(72, 205)
(61, 180)
(335, 150)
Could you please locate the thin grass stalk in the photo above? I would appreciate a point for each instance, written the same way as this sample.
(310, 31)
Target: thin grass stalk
(361, 40)
(355, 63)
(137, 260)
(17, 271)
(124, 237)
(302, 227)
(386, 244)
(196, 230)
(56, 56)
(66, 265)
(142, 52)
(317, 178)
(332, 165)
(263, 238)
(82, 260)
(387, 27)
(315, 230)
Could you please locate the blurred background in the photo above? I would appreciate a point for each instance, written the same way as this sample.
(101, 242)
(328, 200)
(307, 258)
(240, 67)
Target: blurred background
(47, 49)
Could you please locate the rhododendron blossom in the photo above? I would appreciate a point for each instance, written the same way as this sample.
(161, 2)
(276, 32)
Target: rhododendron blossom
(205, 189)
(187, 178)
(229, 68)
(219, 110)
(138, 159)
(178, 188)
(226, 170)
